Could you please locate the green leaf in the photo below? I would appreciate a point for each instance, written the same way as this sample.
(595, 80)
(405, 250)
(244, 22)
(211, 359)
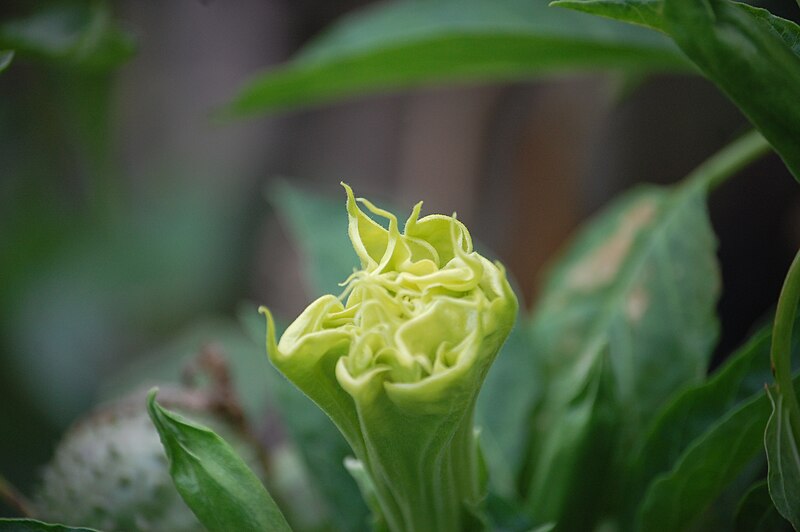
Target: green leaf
(643, 269)
(690, 438)
(409, 44)
(213, 481)
(690, 414)
(711, 462)
(648, 13)
(5, 58)
(750, 54)
(32, 525)
(509, 394)
(784, 462)
(78, 34)
(756, 513)
(745, 51)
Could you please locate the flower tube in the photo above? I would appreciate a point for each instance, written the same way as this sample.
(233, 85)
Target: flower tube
(398, 359)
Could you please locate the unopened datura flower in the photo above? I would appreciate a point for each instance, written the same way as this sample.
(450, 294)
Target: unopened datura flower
(398, 359)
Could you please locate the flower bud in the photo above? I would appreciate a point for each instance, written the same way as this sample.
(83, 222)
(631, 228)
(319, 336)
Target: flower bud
(398, 359)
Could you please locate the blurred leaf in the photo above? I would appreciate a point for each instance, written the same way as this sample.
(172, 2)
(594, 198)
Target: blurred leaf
(641, 270)
(408, 44)
(5, 58)
(783, 456)
(752, 56)
(95, 297)
(32, 525)
(78, 34)
(507, 397)
(674, 500)
(213, 480)
(318, 227)
(756, 513)
(317, 439)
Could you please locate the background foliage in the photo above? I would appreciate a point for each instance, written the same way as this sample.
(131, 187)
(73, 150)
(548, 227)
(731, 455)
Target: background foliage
(140, 219)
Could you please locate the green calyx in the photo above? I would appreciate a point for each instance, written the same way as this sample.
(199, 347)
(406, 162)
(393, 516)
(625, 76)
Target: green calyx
(398, 359)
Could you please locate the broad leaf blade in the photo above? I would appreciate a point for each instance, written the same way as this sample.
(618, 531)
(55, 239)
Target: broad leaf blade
(214, 482)
(408, 44)
(675, 500)
(689, 439)
(32, 525)
(748, 53)
(645, 268)
(690, 414)
(783, 457)
(648, 13)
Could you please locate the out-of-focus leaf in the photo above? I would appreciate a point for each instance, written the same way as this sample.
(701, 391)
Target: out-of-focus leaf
(318, 226)
(322, 447)
(783, 457)
(95, 297)
(5, 58)
(32, 525)
(643, 269)
(674, 500)
(80, 34)
(756, 513)
(407, 44)
(213, 480)
(508, 395)
(752, 55)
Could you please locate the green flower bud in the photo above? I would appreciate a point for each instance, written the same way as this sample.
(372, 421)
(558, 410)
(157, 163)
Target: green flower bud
(398, 359)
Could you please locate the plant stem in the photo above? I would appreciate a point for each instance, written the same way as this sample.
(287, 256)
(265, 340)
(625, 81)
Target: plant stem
(729, 160)
(781, 352)
(14, 498)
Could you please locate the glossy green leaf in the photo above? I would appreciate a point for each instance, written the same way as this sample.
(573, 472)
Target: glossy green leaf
(79, 34)
(408, 44)
(212, 479)
(644, 268)
(756, 513)
(5, 58)
(783, 456)
(32, 525)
